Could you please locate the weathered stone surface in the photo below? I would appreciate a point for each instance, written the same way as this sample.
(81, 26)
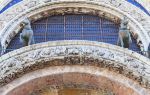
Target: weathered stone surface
(112, 9)
(89, 53)
(76, 77)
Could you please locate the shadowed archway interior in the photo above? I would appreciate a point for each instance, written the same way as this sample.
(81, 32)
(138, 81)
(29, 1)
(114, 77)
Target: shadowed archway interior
(74, 27)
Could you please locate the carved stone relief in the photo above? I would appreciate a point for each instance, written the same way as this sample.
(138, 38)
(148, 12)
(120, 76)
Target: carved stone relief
(76, 54)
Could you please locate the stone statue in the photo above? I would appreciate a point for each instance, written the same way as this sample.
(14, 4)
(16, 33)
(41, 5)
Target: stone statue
(26, 37)
(3, 49)
(124, 39)
(148, 51)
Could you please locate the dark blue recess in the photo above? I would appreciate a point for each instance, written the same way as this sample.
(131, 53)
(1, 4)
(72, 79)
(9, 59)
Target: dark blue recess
(134, 2)
(74, 27)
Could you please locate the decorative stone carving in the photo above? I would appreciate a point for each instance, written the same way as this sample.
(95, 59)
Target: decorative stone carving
(124, 39)
(75, 53)
(135, 14)
(148, 50)
(1, 24)
(26, 36)
(31, 3)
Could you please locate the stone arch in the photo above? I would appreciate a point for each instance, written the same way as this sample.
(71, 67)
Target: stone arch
(115, 59)
(78, 77)
(9, 26)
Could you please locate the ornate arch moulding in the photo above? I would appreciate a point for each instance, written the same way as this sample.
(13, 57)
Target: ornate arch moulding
(77, 77)
(122, 62)
(145, 3)
(10, 19)
(3, 3)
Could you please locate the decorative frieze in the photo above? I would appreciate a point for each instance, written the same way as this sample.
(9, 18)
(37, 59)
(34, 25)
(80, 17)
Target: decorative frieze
(123, 61)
